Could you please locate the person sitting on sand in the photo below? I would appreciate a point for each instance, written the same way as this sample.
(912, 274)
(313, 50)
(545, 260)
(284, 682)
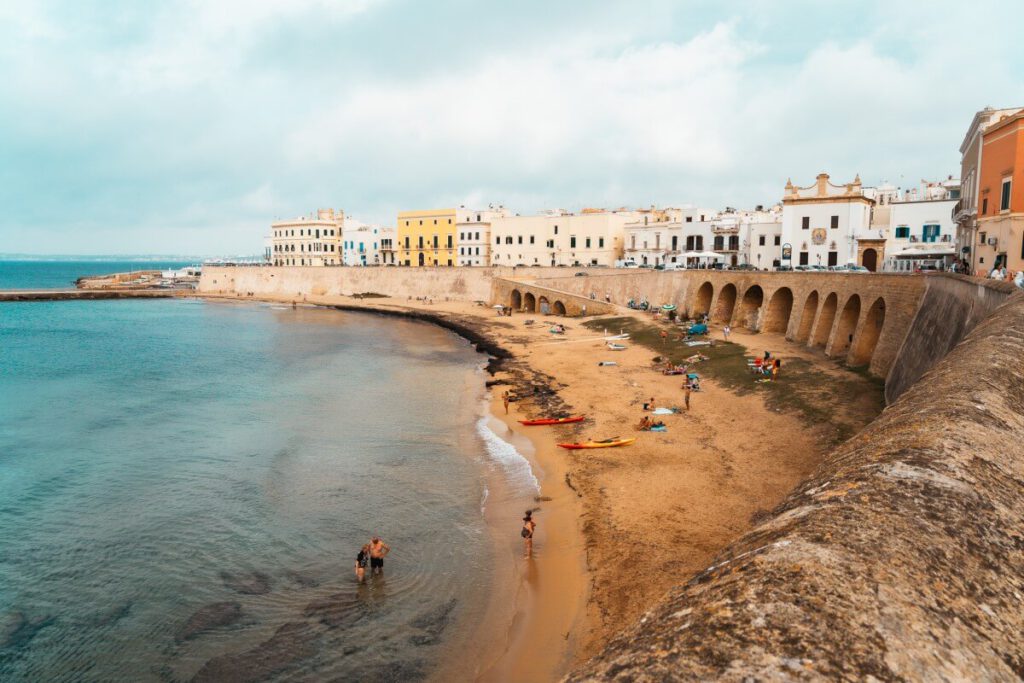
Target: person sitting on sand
(529, 526)
(645, 424)
(650, 404)
(361, 559)
(378, 551)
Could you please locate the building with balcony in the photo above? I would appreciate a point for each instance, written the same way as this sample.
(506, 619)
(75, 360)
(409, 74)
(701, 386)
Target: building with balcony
(915, 227)
(657, 237)
(1000, 222)
(593, 237)
(426, 238)
(362, 244)
(965, 213)
(313, 240)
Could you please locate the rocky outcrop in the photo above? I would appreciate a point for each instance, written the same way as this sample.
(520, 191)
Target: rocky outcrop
(901, 558)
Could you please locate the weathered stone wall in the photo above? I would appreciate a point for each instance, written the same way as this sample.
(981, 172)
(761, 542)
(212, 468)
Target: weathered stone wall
(517, 295)
(952, 306)
(901, 558)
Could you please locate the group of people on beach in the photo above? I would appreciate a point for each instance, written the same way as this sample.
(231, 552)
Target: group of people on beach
(373, 553)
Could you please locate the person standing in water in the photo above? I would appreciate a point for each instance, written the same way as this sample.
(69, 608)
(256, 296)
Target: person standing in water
(361, 559)
(505, 399)
(378, 551)
(529, 526)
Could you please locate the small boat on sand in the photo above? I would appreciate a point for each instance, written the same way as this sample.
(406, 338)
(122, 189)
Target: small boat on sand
(606, 443)
(552, 420)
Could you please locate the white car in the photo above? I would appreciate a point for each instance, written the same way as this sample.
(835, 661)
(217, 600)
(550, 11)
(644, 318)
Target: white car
(675, 266)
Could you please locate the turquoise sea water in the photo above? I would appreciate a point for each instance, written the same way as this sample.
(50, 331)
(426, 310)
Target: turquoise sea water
(62, 274)
(173, 460)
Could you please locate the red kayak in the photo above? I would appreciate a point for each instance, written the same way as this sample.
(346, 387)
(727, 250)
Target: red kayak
(552, 421)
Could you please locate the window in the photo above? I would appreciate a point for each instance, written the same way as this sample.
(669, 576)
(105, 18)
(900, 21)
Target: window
(508, 240)
(718, 243)
(700, 243)
(497, 239)
(833, 258)
(478, 218)
(675, 244)
(981, 237)
(835, 222)
(1004, 199)
(450, 238)
(531, 239)
(803, 258)
(902, 232)
(930, 233)
(520, 240)
(556, 229)
(600, 243)
(588, 243)
(421, 242)
(760, 240)
(689, 219)
(805, 222)
(984, 206)
(477, 235)
(734, 242)
(435, 241)
(778, 240)
(572, 242)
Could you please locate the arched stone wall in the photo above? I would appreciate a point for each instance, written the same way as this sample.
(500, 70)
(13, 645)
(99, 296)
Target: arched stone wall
(726, 304)
(530, 303)
(866, 338)
(803, 333)
(776, 316)
(559, 308)
(750, 307)
(543, 305)
(845, 328)
(515, 300)
(826, 317)
(702, 303)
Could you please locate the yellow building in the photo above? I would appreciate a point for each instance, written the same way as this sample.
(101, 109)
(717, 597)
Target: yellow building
(427, 238)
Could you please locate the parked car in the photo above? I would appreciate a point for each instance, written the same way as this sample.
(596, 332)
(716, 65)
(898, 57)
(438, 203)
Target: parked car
(582, 274)
(783, 269)
(857, 269)
(675, 266)
(745, 266)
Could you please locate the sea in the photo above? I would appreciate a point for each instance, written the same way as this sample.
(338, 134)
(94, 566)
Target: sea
(184, 486)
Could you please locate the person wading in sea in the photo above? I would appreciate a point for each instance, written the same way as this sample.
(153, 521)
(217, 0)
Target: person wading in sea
(361, 559)
(378, 551)
(527, 533)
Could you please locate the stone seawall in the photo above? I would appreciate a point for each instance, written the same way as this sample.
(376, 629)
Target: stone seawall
(901, 558)
(90, 294)
(952, 306)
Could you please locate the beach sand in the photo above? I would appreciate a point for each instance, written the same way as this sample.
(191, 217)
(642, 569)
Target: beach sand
(623, 525)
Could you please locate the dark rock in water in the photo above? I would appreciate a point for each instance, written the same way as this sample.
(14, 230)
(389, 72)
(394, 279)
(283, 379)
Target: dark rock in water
(302, 579)
(114, 615)
(338, 610)
(290, 644)
(210, 617)
(432, 623)
(17, 630)
(250, 583)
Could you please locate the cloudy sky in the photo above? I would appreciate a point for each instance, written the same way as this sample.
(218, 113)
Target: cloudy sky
(186, 126)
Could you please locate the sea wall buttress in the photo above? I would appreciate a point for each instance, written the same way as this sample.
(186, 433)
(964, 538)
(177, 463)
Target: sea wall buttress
(951, 307)
(901, 558)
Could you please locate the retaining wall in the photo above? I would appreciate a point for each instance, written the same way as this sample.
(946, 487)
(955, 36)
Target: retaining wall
(901, 558)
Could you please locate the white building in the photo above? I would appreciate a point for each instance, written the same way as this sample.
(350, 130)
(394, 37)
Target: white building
(821, 222)
(363, 245)
(761, 237)
(473, 234)
(559, 238)
(918, 226)
(657, 236)
(308, 241)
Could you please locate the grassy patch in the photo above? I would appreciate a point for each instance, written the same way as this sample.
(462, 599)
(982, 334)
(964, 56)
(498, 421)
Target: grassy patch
(818, 397)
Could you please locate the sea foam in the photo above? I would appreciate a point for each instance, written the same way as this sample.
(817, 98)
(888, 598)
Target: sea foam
(501, 452)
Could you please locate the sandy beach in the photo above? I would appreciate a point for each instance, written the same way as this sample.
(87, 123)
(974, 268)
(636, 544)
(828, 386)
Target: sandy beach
(619, 527)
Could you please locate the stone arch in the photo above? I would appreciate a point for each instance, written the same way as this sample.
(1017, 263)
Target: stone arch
(530, 302)
(825, 320)
(726, 303)
(544, 305)
(803, 334)
(515, 300)
(705, 294)
(559, 308)
(866, 338)
(845, 327)
(753, 299)
(776, 316)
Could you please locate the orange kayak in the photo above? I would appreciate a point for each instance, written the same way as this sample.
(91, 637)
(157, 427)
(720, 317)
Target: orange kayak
(552, 421)
(607, 443)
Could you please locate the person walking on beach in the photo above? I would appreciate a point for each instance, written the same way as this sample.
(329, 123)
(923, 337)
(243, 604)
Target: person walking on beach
(529, 526)
(725, 332)
(686, 394)
(505, 399)
(378, 551)
(361, 560)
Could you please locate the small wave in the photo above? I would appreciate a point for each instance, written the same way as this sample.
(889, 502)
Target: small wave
(505, 454)
(483, 499)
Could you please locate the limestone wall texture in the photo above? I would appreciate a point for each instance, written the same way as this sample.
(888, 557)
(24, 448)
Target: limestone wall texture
(470, 284)
(952, 306)
(901, 558)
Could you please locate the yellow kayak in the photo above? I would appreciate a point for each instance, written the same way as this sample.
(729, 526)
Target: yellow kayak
(607, 443)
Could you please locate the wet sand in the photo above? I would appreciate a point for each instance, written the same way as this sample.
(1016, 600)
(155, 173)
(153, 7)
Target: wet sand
(647, 516)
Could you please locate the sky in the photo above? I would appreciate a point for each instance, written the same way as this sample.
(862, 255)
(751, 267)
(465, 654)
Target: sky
(187, 126)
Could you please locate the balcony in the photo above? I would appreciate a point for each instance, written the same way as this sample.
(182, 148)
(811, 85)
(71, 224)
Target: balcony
(728, 228)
